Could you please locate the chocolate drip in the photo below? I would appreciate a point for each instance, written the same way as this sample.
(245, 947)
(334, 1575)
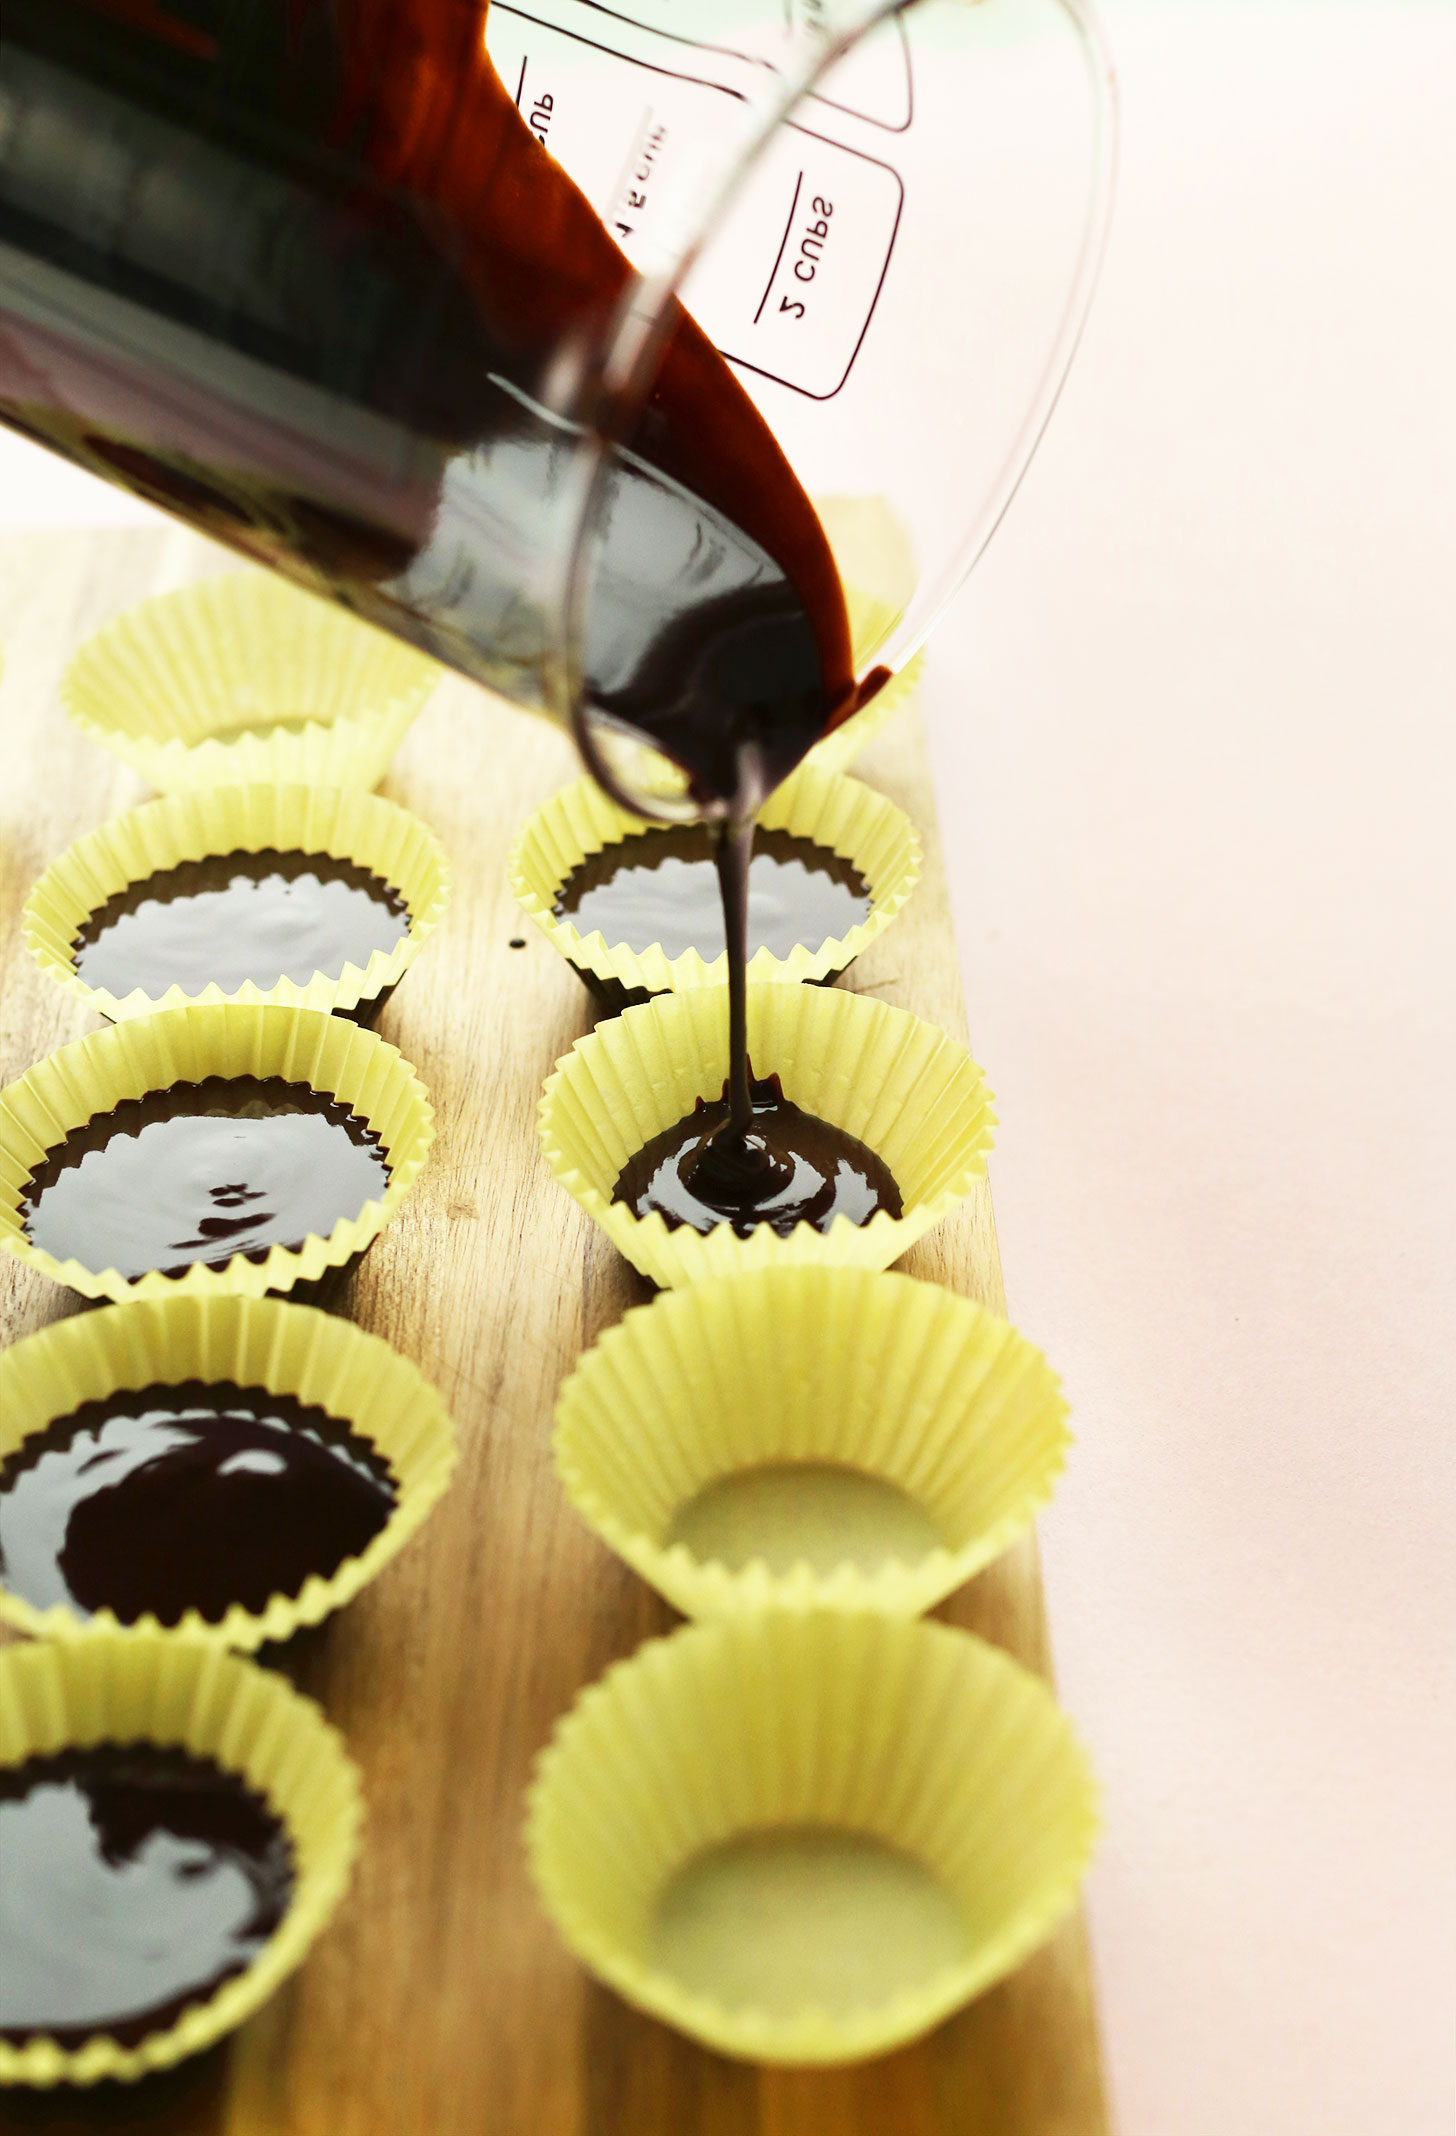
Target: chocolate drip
(194, 1496)
(754, 1158)
(237, 917)
(137, 1880)
(788, 1167)
(200, 1172)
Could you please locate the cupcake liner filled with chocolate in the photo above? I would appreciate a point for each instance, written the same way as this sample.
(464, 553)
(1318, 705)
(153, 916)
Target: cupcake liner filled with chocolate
(314, 897)
(638, 906)
(869, 1126)
(199, 1150)
(243, 678)
(176, 1827)
(226, 1468)
(832, 1436)
(806, 1836)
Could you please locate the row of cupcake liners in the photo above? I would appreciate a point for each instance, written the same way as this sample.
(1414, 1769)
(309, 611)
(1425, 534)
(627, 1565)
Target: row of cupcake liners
(236, 655)
(629, 1463)
(677, 1818)
(243, 679)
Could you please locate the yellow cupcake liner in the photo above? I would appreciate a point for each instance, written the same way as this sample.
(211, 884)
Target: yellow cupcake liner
(217, 820)
(62, 1695)
(145, 1053)
(808, 1836)
(210, 821)
(897, 1083)
(820, 1370)
(243, 678)
(850, 819)
(252, 1342)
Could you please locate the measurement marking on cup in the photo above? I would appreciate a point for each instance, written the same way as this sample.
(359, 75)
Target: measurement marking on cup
(632, 186)
(783, 241)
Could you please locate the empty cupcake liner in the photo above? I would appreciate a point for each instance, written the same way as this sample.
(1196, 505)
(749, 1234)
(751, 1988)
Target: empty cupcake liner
(850, 819)
(206, 821)
(251, 1342)
(60, 1695)
(145, 1053)
(809, 1369)
(898, 1084)
(808, 1836)
(243, 678)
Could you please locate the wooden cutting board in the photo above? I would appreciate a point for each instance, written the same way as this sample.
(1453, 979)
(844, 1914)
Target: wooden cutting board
(440, 2002)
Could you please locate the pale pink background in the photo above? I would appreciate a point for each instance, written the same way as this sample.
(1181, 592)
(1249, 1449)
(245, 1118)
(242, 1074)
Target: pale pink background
(1193, 727)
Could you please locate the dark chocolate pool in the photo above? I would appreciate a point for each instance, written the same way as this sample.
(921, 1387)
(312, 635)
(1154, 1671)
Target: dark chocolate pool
(136, 1880)
(662, 887)
(201, 1171)
(198, 1495)
(789, 1168)
(237, 917)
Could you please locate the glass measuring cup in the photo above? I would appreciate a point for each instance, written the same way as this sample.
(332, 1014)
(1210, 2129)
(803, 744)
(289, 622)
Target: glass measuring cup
(311, 278)
(888, 218)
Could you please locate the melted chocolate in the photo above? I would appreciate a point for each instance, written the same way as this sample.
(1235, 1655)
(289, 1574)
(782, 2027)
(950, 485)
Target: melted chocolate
(788, 1168)
(374, 232)
(190, 1496)
(137, 1879)
(200, 1172)
(237, 917)
(662, 887)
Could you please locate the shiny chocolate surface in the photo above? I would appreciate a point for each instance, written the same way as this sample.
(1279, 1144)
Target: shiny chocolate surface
(193, 1496)
(789, 1167)
(237, 917)
(662, 887)
(200, 1172)
(134, 1881)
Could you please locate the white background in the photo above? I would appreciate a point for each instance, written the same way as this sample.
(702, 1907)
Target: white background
(1193, 727)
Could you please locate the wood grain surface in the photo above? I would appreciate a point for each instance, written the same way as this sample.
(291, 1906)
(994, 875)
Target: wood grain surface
(440, 2002)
